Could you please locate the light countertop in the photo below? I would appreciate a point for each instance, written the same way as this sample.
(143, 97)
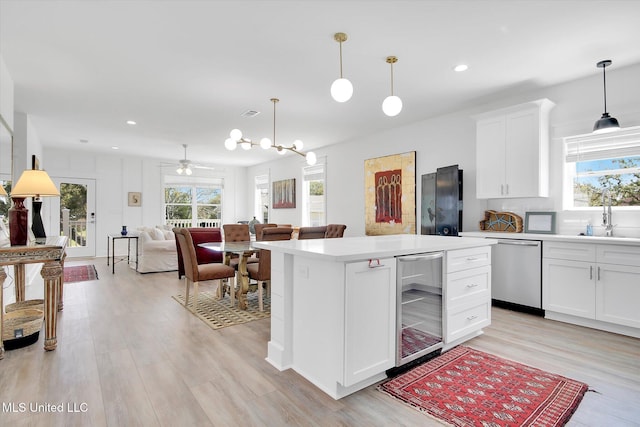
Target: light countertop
(632, 241)
(366, 247)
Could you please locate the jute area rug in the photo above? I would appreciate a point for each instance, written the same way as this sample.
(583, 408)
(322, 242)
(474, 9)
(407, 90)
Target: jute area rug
(220, 314)
(80, 273)
(467, 387)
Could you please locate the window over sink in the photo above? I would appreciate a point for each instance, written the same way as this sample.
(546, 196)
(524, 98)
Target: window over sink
(595, 163)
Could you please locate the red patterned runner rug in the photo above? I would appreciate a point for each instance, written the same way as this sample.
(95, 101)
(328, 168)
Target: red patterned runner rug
(80, 273)
(467, 387)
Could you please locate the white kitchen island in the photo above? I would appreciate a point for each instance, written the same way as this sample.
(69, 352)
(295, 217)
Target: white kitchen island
(333, 303)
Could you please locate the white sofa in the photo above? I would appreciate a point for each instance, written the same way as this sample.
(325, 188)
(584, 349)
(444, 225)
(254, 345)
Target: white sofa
(156, 250)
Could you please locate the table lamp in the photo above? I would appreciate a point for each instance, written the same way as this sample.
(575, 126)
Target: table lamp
(32, 183)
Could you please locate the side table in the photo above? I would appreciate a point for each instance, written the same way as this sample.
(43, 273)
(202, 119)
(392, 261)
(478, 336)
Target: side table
(111, 241)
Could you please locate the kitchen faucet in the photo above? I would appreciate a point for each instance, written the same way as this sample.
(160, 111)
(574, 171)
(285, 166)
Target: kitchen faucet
(606, 213)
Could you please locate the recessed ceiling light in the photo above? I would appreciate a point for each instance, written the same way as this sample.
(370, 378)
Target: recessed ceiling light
(461, 67)
(115, 147)
(131, 122)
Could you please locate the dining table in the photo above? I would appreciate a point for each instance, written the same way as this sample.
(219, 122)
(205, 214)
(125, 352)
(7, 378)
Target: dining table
(244, 250)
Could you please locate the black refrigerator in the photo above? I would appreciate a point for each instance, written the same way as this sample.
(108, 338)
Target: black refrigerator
(441, 203)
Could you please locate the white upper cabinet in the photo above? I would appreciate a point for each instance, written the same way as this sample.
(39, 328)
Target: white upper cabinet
(512, 151)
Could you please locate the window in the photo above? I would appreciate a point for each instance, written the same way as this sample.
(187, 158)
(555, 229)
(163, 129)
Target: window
(314, 199)
(193, 205)
(5, 204)
(595, 163)
(261, 201)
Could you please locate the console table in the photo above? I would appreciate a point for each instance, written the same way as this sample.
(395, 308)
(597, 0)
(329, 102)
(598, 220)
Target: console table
(51, 253)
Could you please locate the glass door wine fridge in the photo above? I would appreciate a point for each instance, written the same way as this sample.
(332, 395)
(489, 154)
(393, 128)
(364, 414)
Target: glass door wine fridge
(419, 310)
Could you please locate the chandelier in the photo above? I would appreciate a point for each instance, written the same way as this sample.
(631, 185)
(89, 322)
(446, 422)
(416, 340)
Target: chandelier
(236, 138)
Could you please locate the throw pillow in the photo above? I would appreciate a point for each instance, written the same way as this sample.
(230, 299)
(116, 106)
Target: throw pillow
(157, 234)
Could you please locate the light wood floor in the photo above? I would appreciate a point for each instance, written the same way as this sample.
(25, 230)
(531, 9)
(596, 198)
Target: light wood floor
(129, 355)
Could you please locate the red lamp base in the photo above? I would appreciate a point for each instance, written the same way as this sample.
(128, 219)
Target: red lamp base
(18, 222)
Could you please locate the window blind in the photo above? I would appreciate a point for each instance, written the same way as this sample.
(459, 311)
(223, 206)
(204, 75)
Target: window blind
(623, 143)
(313, 173)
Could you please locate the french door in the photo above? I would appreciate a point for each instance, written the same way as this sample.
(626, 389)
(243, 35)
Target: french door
(73, 215)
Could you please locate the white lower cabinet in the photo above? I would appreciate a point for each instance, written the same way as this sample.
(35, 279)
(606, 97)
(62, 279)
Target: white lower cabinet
(467, 300)
(370, 319)
(568, 287)
(618, 294)
(576, 281)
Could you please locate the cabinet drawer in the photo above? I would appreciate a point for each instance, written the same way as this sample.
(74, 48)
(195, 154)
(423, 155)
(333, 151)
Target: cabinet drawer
(467, 319)
(570, 251)
(466, 284)
(619, 254)
(465, 259)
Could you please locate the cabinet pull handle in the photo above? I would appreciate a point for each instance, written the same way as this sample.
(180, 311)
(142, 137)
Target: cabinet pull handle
(472, 317)
(473, 258)
(591, 272)
(598, 272)
(472, 285)
(375, 263)
(502, 189)
(507, 187)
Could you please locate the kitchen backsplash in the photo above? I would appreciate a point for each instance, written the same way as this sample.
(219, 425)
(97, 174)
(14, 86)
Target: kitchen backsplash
(626, 221)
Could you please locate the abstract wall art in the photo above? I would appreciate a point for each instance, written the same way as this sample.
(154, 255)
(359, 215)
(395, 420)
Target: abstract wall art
(390, 194)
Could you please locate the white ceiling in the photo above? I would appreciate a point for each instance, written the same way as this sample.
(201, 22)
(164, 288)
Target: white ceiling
(185, 71)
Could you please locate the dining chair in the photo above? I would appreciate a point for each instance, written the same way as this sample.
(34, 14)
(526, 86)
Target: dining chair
(312, 232)
(261, 272)
(335, 231)
(196, 273)
(260, 227)
(203, 255)
(237, 233)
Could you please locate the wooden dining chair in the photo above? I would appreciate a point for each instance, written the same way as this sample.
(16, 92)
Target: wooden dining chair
(261, 272)
(196, 273)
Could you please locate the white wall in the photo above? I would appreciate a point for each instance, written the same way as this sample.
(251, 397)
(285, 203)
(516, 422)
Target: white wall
(450, 139)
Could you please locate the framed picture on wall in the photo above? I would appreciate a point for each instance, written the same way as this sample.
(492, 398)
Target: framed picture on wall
(284, 194)
(135, 199)
(390, 194)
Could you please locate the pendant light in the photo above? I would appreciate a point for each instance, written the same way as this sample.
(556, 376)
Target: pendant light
(341, 89)
(606, 122)
(392, 105)
(236, 138)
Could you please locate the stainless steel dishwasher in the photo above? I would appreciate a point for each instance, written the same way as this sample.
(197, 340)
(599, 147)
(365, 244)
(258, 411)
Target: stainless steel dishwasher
(517, 275)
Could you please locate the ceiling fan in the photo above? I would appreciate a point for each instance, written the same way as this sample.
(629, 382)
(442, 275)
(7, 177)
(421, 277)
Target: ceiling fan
(186, 167)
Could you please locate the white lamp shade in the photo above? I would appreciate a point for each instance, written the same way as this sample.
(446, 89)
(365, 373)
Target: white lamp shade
(298, 144)
(311, 158)
(281, 150)
(392, 105)
(230, 144)
(188, 171)
(265, 143)
(34, 183)
(236, 134)
(179, 170)
(341, 90)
